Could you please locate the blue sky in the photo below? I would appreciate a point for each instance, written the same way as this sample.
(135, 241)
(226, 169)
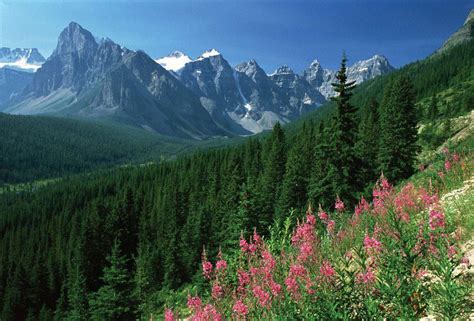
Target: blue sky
(273, 32)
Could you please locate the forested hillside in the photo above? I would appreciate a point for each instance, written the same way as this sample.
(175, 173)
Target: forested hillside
(34, 148)
(113, 245)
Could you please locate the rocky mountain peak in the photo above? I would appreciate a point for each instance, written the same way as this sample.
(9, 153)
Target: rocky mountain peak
(209, 53)
(75, 39)
(174, 61)
(283, 70)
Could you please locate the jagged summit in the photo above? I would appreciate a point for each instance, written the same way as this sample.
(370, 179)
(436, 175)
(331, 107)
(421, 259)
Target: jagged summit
(174, 61)
(23, 59)
(209, 53)
(283, 70)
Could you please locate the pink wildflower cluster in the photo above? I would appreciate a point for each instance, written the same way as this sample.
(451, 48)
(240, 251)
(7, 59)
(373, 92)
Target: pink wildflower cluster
(324, 217)
(200, 312)
(252, 246)
(372, 245)
(301, 272)
(366, 278)
(381, 195)
(169, 315)
(339, 205)
(436, 219)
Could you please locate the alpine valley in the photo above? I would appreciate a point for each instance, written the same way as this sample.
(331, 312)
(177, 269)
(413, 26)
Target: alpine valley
(129, 189)
(174, 95)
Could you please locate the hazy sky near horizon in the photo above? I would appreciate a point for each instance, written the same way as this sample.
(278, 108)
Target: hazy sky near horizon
(292, 32)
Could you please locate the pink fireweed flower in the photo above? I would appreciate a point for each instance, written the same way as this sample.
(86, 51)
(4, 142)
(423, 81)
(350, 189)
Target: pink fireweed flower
(240, 308)
(244, 246)
(306, 250)
(452, 251)
(275, 288)
(456, 157)
(262, 295)
(256, 238)
(330, 226)
(291, 285)
(244, 278)
(208, 313)
(339, 206)
(372, 245)
(367, 277)
(194, 302)
(436, 220)
(447, 165)
(445, 150)
(362, 207)
(268, 261)
(169, 315)
(206, 268)
(323, 216)
(297, 270)
(310, 219)
(217, 291)
(327, 270)
(380, 193)
(221, 265)
(441, 175)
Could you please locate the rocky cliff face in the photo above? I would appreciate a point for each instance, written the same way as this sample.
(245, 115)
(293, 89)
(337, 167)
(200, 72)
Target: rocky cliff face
(87, 78)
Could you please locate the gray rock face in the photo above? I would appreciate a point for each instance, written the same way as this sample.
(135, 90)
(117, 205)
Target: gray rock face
(83, 77)
(321, 79)
(245, 98)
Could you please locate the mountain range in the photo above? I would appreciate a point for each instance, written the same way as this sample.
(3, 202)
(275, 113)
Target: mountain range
(173, 95)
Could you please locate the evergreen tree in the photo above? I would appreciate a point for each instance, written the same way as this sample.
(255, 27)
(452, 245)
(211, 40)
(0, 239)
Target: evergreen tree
(273, 171)
(398, 131)
(114, 301)
(344, 161)
(367, 143)
(320, 189)
(433, 111)
(294, 185)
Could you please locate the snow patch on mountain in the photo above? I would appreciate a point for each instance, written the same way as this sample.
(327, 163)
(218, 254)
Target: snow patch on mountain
(209, 53)
(174, 61)
(25, 59)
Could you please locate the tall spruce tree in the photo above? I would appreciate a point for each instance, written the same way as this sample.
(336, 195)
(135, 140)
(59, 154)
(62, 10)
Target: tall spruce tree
(398, 130)
(114, 299)
(367, 143)
(273, 170)
(344, 161)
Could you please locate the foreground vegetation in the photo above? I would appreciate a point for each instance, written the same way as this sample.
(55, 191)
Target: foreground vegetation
(397, 257)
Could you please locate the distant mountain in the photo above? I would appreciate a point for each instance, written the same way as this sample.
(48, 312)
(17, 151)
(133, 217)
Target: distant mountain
(102, 79)
(12, 83)
(321, 79)
(464, 34)
(245, 99)
(173, 95)
(26, 59)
